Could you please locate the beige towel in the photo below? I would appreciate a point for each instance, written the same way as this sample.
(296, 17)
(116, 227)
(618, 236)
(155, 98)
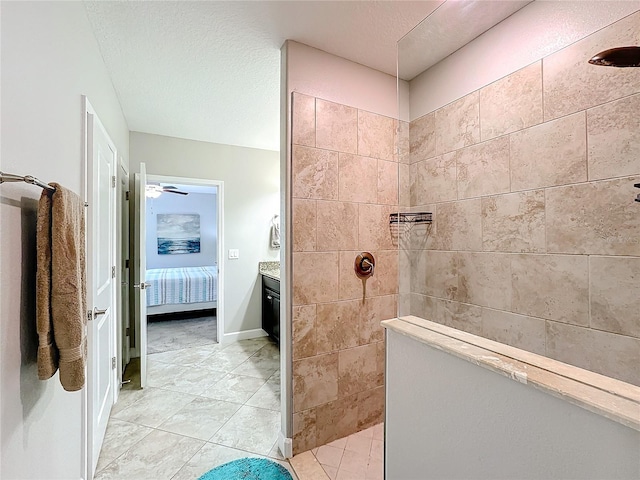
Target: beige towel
(61, 300)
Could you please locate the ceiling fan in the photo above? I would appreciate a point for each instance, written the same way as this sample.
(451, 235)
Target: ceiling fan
(155, 190)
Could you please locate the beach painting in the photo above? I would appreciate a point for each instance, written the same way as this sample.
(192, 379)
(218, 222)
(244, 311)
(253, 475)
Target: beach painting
(178, 233)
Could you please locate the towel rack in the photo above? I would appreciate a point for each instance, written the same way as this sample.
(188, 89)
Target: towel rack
(10, 177)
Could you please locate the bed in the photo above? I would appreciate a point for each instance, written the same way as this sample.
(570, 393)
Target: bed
(181, 289)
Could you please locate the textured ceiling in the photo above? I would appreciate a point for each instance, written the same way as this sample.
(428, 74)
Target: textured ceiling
(211, 70)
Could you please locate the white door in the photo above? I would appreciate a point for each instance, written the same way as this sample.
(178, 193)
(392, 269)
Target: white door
(101, 241)
(141, 254)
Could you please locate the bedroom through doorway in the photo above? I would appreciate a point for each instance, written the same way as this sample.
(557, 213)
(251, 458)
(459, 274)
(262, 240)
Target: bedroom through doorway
(182, 263)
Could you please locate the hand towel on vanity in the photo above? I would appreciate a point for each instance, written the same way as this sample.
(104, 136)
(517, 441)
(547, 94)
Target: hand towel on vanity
(61, 296)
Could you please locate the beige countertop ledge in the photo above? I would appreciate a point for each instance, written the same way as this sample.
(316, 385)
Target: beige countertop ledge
(611, 398)
(269, 269)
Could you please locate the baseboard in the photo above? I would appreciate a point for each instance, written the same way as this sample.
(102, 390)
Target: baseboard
(243, 335)
(285, 445)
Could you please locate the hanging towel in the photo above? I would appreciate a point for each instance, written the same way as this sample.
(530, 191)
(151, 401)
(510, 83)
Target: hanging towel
(61, 296)
(275, 232)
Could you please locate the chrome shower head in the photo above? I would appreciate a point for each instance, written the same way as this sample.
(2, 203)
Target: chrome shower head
(618, 57)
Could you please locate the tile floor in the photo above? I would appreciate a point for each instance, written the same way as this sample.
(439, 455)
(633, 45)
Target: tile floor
(204, 406)
(356, 457)
(188, 330)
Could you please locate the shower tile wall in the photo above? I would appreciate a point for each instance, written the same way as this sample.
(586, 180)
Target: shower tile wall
(536, 237)
(345, 184)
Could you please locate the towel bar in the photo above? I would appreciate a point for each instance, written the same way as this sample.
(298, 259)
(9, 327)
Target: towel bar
(10, 177)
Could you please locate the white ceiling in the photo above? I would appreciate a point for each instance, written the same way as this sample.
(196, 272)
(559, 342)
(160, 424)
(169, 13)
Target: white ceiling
(210, 70)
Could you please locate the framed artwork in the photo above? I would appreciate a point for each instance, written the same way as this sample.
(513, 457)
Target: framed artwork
(178, 233)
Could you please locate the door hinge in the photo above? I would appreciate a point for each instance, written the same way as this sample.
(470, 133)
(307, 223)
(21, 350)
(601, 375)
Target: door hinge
(126, 195)
(113, 272)
(113, 181)
(126, 263)
(89, 315)
(113, 363)
(127, 332)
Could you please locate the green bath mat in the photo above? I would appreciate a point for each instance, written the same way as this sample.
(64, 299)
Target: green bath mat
(248, 469)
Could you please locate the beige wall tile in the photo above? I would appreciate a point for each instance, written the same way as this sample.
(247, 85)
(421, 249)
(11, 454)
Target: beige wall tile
(597, 218)
(615, 294)
(613, 133)
(303, 120)
(484, 279)
(350, 285)
(435, 274)
(304, 331)
(338, 324)
(424, 307)
(315, 173)
(387, 182)
(373, 227)
(375, 310)
(304, 431)
(385, 277)
(315, 277)
(370, 408)
(336, 127)
(358, 370)
(433, 180)
(520, 331)
(612, 355)
(458, 124)
(461, 316)
(376, 135)
(304, 225)
(459, 225)
(337, 419)
(483, 169)
(554, 153)
(404, 184)
(571, 84)
(381, 357)
(511, 103)
(402, 142)
(315, 381)
(337, 226)
(358, 179)
(554, 287)
(514, 222)
(422, 138)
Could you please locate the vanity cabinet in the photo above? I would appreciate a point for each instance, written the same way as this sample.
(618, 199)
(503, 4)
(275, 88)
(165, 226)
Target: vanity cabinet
(271, 307)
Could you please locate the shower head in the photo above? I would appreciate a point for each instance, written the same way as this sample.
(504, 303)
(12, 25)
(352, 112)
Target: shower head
(618, 57)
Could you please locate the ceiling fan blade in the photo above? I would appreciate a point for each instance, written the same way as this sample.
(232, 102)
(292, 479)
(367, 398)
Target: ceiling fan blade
(175, 191)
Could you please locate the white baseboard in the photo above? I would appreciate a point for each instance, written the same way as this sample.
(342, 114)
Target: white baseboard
(285, 445)
(243, 335)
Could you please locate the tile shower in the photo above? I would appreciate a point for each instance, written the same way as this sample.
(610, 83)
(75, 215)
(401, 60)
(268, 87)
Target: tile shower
(344, 186)
(530, 179)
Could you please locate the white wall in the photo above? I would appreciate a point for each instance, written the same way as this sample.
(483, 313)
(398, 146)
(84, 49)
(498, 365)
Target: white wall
(203, 204)
(49, 58)
(528, 35)
(448, 418)
(317, 73)
(251, 198)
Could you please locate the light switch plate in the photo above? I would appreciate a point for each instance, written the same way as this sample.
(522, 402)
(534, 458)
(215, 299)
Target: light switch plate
(234, 253)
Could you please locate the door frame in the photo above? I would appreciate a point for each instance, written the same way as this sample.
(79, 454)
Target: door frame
(88, 459)
(220, 233)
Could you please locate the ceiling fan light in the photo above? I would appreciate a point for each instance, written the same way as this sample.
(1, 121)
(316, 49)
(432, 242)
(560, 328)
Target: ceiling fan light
(152, 191)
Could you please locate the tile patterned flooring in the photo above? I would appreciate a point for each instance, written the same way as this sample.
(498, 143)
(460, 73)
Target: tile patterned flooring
(205, 405)
(356, 457)
(188, 330)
